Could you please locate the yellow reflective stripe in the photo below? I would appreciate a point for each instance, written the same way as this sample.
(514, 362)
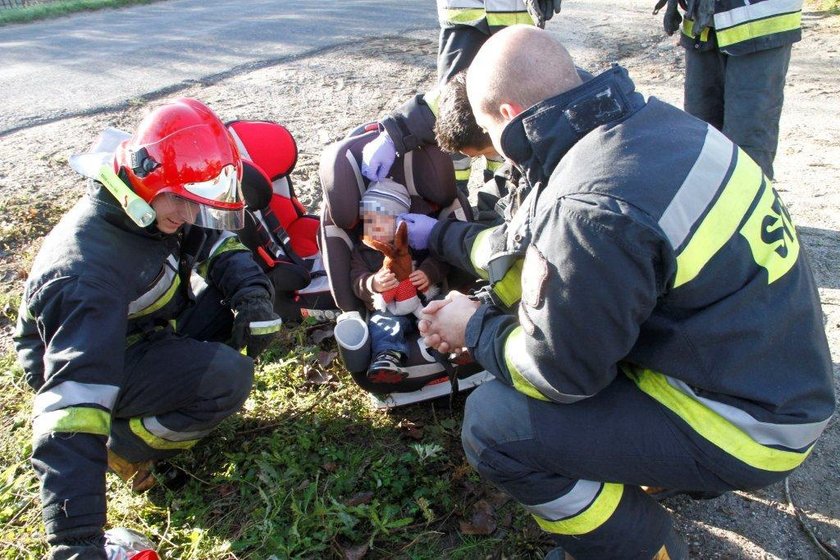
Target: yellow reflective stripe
(161, 301)
(514, 344)
(155, 442)
(479, 253)
(432, 99)
(598, 513)
(463, 15)
(232, 243)
(504, 19)
(509, 288)
(760, 28)
(462, 174)
(74, 419)
(686, 29)
(714, 427)
(722, 221)
(492, 164)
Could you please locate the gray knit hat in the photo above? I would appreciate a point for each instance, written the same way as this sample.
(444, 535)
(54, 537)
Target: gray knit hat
(385, 196)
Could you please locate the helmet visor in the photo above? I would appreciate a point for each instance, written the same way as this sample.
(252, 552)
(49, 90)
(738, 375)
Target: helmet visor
(224, 188)
(173, 210)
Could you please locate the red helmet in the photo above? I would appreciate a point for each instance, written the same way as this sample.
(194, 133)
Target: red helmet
(183, 149)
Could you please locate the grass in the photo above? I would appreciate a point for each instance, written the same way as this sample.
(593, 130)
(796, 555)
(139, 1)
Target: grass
(308, 469)
(60, 8)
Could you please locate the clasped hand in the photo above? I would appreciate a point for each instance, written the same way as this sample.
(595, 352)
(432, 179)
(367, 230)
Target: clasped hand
(443, 323)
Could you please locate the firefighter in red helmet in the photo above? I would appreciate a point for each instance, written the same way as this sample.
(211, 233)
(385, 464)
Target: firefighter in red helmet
(133, 317)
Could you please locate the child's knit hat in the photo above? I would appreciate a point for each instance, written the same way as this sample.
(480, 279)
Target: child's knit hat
(385, 196)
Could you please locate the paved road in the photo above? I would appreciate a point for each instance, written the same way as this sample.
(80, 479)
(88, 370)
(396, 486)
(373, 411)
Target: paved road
(91, 61)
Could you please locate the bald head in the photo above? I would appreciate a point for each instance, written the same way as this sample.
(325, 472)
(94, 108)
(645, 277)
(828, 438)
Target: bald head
(519, 66)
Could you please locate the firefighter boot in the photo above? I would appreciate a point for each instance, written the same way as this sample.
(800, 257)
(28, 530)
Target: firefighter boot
(138, 474)
(673, 549)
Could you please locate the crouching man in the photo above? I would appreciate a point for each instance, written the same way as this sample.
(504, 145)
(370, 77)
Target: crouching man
(125, 317)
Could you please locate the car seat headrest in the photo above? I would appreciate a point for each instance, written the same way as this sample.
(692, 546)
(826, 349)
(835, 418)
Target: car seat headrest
(427, 173)
(268, 145)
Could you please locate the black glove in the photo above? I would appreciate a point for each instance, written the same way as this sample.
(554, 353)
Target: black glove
(542, 10)
(255, 324)
(672, 18)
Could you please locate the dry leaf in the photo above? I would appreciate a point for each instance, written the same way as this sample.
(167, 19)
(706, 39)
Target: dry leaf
(482, 522)
(359, 499)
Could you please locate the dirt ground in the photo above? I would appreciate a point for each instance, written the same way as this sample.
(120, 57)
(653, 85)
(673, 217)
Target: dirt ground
(321, 97)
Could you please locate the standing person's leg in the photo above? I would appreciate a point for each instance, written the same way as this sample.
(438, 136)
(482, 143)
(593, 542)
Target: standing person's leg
(578, 468)
(457, 47)
(704, 85)
(754, 95)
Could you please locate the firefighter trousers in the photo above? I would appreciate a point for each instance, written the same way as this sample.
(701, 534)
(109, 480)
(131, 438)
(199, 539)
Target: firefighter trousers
(741, 96)
(179, 385)
(578, 468)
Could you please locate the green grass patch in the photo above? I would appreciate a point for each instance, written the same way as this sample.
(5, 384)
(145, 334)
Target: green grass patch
(61, 8)
(308, 469)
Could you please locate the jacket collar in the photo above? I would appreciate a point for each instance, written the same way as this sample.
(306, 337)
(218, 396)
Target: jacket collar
(538, 138)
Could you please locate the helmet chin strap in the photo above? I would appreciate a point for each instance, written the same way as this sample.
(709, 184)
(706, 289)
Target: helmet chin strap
(140, 212)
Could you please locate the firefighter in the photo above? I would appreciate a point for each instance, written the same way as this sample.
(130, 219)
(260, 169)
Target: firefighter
(464, 26)
(736, 59)
(124, 318)
(653, 319)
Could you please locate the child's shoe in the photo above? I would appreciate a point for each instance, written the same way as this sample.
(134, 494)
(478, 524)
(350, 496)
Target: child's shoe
(386, 368)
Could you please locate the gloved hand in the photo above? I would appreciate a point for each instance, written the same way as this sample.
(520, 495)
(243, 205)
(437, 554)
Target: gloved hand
(419, 228)
(672, 18)
(255, 324)
(542, 10)
(378, 157)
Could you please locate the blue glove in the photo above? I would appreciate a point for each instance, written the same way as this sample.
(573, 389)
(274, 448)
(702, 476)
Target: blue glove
(419, 228)
(378, 157)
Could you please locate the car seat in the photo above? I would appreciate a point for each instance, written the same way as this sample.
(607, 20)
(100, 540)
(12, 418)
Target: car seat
(281, 233)
(429, 177)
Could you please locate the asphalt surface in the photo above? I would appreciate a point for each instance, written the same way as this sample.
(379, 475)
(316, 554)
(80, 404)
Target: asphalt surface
(96, 61)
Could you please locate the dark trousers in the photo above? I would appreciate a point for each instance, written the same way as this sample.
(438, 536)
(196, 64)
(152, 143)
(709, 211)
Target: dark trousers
(180, 385)
(741, 96)
(578, 467)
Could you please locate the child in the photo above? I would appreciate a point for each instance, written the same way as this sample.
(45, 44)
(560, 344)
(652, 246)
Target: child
(394, 303)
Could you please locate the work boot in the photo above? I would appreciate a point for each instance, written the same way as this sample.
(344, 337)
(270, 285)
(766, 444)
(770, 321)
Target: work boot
(138, 474)
(673, 549)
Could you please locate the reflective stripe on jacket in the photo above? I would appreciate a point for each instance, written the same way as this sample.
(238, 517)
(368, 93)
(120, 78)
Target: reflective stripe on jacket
(486, 15)
(745, 26)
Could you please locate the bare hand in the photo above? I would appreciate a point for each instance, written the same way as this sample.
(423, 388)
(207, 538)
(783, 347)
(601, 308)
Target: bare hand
(383, 280)
(443, 323)
(419, 280)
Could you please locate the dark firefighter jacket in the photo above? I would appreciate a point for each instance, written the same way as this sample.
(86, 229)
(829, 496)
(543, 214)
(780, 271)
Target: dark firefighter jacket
(745, 26)
(657, 250)
(98, 283)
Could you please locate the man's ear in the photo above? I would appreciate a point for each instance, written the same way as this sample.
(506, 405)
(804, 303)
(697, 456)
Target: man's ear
(509, 110)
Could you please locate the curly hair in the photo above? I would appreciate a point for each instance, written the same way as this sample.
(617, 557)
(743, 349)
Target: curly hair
(456, 128)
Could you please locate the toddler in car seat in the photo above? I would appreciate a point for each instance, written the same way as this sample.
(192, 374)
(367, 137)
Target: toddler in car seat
(384, 276)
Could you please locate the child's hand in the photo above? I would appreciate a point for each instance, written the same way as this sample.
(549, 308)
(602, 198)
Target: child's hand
(383, 280)
(419, 280)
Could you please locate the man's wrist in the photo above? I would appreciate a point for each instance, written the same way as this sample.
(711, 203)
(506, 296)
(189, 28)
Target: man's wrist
(475, 324)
